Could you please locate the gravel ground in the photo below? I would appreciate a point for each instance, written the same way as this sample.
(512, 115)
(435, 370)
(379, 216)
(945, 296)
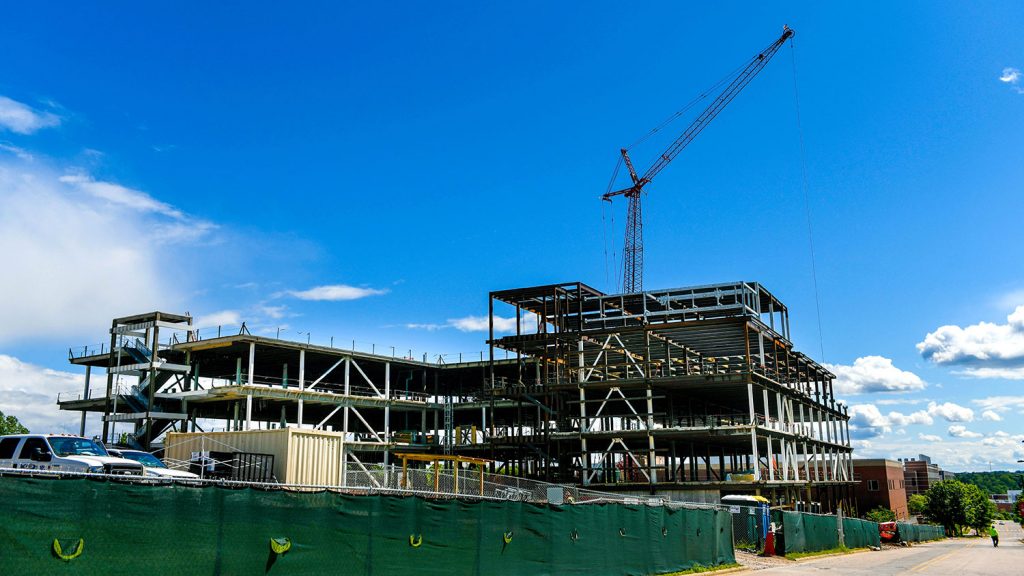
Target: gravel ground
(752, 561)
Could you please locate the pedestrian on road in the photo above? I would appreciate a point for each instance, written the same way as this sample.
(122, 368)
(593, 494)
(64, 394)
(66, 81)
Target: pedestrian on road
(995, 536)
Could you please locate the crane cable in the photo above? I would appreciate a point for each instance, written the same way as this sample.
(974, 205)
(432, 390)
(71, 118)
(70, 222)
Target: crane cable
(807, 201)
(604, 223)
(702, 96)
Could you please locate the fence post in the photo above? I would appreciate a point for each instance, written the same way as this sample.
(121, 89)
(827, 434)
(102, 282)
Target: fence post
(839, 526)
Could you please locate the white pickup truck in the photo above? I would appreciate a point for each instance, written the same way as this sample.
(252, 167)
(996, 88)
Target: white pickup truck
(62, 453)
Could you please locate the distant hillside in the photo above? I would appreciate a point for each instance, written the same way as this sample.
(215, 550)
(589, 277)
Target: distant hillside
(992, 482)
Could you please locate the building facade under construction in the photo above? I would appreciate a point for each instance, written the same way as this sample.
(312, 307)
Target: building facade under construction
(689, 393)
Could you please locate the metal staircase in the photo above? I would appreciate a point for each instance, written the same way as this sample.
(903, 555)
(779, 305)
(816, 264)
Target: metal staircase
(139, 354)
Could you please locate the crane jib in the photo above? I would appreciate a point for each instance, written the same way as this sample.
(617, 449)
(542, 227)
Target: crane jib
(633, 249)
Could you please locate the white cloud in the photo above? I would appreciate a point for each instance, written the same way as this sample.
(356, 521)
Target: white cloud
(898, 401)
(428, 327)
(1001, 403)
(273, 312)
(29, 392)
(214, 319)
(1012, 77)
(991, 415)
(982, 350)
(951, 412)
(869, 421)
(952, 453)
(959, 431)
(335, 293)
(22, 118)
(873, 374)
(528, 324)
(71, 267)
(122, 195)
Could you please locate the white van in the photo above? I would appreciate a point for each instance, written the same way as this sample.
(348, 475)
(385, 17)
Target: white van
(62, 453)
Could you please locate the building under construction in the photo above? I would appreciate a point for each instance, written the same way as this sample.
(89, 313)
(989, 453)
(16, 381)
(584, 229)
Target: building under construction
(690, 393)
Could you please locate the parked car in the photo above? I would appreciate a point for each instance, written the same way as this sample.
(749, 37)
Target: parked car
(62, 453)
(152, 465)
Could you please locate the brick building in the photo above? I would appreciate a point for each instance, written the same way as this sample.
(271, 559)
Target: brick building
(880, 482)
(920, 474)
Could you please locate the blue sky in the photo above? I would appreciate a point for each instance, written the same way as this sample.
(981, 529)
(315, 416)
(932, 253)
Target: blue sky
(371, 173)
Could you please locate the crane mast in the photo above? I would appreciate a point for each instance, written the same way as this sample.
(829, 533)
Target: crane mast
(633, 251)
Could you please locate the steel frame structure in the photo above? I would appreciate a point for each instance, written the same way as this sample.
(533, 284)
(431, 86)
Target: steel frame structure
(689, 393)
(678, 390)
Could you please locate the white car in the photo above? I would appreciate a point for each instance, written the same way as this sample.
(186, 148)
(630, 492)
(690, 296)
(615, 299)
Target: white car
(152, 465)
(62, 453)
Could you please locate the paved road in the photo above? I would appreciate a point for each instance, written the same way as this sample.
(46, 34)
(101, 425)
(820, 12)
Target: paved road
(957, 557)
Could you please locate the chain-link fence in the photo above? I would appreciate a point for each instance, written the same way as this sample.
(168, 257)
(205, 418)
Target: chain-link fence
(750, 526)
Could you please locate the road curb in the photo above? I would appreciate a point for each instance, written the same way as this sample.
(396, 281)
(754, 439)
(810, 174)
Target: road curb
(833, 555)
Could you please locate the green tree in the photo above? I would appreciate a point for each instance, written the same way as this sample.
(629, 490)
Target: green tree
(917, 504)
(881, 514)
(957, 506)
(981, 511)
(10, 425)
(997, 482)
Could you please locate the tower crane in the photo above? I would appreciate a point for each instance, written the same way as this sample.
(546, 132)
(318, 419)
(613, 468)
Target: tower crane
(633, 251)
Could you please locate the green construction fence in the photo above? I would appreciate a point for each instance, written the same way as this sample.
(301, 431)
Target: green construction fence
(919, 532)
(803, 532)
(81, 526)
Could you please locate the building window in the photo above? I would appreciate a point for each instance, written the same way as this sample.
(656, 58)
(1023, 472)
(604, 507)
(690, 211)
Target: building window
(873, 485)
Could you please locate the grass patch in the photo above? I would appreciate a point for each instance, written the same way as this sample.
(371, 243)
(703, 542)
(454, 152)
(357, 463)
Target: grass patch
(701, 569)
(838, 550)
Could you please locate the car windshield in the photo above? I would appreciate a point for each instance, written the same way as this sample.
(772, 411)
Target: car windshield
(76, 447)
(144, 458)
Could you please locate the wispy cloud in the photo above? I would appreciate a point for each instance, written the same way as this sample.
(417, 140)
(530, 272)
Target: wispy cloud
(502, 325)
(982, 350)
(334, 293)
(23, 119)
(1012, 77)
(929, 437)
(19, 152)
(873, 374)
(1001, 403)
(122, 195)
(65, 252)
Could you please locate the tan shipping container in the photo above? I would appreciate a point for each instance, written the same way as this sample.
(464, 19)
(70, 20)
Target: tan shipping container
(300, 456)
